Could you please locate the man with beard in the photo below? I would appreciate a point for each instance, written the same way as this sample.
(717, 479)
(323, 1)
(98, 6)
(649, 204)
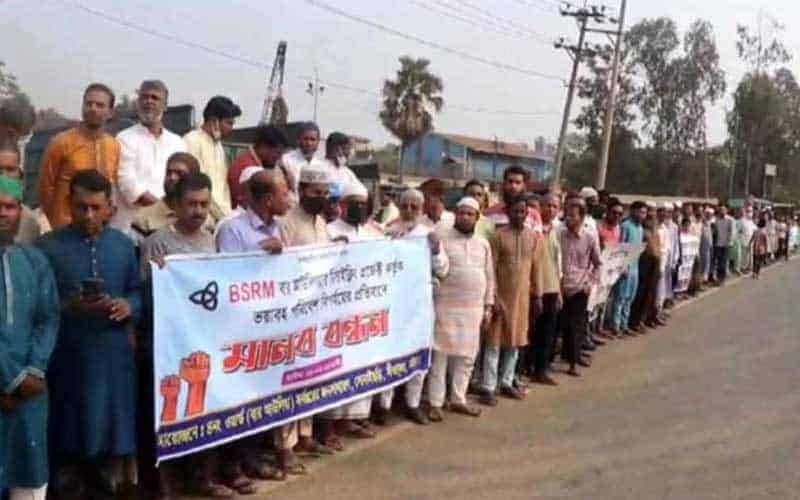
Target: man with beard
(409, 225)
(746, 229)
(93, 370)
(146, 147)
(514, 251)
(185, 234)
(10, 161)
(338, 148)
(515, 179)
(205, 144)
(463, 301)
(85, 147)
(163, 213)
(266, 151)
(297, 159)
(631, 232)
(303, 225)
(27, 335)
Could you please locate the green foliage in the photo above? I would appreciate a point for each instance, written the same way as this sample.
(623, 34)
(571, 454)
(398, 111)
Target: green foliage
(410, 100)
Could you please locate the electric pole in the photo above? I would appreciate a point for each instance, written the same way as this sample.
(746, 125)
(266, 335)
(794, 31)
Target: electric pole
(576, 52)
(608, 122)
(315, 89)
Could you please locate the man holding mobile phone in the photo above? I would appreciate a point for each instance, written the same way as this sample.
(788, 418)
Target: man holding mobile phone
(92, 371)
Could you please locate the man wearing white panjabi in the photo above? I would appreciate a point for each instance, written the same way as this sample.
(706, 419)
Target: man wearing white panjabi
(409, 225)
(463, 301)
(351, 418)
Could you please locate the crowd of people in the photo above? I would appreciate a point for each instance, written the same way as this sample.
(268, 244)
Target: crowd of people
(511, 283)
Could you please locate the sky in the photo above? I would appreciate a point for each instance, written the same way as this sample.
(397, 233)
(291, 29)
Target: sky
(202, 48)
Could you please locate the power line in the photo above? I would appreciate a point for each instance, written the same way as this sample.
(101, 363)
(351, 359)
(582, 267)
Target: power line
(260, 65)
(540, 6)
(506, 21)
(434, 45)
(447, 10)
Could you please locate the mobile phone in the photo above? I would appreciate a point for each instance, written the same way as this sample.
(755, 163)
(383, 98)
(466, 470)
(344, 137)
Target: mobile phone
(92, 287)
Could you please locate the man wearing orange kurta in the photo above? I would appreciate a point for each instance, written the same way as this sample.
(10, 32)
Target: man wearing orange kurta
(85, 147)
(513, 251)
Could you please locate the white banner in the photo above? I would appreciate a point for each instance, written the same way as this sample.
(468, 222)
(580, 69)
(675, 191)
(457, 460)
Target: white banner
(690, 246)
(247, 342)
(615, 261)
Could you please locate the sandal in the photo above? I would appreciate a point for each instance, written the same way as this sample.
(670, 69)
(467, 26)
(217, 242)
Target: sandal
(512, 393)
(463, 409)
(215, 490)
(435, 414)
(260, 470)
(333, 442)
(487, 398)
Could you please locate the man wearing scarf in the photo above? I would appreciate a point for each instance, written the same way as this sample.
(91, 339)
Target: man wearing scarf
(28, 327)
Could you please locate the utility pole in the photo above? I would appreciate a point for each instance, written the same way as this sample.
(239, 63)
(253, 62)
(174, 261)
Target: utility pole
(315, 89)
(608, 125)
(576, 52)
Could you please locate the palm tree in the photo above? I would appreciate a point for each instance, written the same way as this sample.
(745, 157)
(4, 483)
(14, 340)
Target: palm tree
(409, 102)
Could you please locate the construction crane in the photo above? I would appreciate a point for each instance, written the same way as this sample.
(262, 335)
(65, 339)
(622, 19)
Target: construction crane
(275, 109)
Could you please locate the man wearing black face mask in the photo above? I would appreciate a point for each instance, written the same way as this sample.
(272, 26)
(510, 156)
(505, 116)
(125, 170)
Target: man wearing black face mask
(351, 419)
(305, 224)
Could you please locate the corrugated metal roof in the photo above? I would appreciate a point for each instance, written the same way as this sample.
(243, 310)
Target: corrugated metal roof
(487, 146)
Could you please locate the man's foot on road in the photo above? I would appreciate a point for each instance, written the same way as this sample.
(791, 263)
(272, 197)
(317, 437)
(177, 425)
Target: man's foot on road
(465, 409)
(417, 416)
(435, 414)
(544, 380)
(573, 372)
(512, 393)
(487, 398)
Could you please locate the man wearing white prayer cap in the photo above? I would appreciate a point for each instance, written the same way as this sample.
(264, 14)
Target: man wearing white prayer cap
(303, 225)
(350, 227)
(409, 225)
(463, 301)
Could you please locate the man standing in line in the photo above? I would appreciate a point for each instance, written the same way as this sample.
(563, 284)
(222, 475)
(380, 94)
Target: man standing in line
(93, 368)
(29, 229)
(146, 147)
(724, 227)
(548, 283)
(84, 147)
(27, 335)
(388, 211)
(205, 144)
(746, 230)
(337, 153)
(580, 271)
(436, 216)
(303, 225)
(150, 219)
(268, 147)
(514, 247)
(464, 300)
(475, 189)
(515, 179)
(353, 418)
(632, 232)
(409, 225)
(297, 159)
(186, 234)
(610, 234)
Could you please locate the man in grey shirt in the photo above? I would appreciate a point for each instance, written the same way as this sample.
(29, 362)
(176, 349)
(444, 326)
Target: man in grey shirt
(724, 231)
(187, 235)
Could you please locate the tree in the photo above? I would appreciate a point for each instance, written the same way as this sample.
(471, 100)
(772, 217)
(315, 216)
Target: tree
(8, 82)
(763, 124)
(410, 101)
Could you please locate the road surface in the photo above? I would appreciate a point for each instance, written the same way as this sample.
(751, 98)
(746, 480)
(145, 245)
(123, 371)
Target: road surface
(708, 407)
